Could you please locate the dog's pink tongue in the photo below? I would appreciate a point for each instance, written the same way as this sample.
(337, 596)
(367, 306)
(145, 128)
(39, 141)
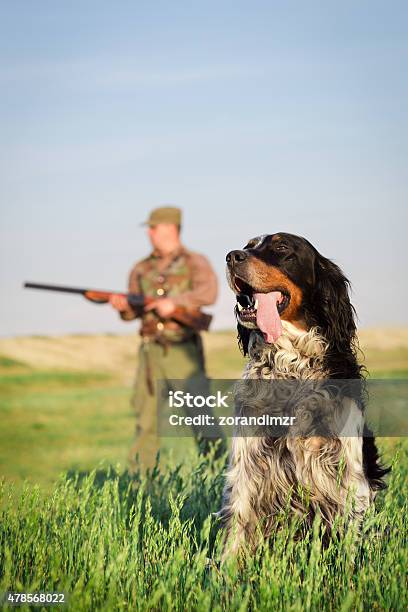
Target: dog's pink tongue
(267, 316)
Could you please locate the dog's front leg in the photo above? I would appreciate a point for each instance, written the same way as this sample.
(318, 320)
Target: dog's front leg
(238, 512)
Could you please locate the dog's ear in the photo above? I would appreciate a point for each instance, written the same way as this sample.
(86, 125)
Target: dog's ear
(332, 307)
(243, 338)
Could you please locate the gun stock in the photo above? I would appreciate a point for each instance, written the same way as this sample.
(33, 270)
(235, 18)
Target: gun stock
(200, 321)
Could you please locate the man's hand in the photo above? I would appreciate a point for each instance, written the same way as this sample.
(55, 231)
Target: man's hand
(163, 306)
(119, 302)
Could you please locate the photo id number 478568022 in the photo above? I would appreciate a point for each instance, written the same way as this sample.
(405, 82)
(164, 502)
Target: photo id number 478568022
(15, 598)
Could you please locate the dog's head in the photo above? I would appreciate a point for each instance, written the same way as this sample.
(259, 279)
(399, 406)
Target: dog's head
(283, 277)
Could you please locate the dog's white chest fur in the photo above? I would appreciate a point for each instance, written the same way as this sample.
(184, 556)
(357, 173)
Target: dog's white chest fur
(296, 354)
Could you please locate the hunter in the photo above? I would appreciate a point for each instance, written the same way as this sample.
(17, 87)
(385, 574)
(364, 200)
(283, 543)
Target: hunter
(174, 276)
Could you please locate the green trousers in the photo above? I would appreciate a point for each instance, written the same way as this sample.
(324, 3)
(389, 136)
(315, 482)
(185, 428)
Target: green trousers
(178, 361)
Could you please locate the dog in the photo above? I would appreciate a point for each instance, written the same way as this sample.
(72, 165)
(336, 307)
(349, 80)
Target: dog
(296, 323)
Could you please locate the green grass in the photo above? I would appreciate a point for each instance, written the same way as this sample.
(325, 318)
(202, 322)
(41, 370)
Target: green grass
(46, 380)
(54, 421)
(112, 542)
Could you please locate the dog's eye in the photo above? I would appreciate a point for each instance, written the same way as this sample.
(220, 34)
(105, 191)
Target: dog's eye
(285, 251)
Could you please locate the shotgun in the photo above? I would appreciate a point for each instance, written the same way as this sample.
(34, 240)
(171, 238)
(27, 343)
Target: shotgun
(194, 318)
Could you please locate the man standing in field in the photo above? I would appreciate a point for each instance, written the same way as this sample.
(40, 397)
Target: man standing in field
(174, 276)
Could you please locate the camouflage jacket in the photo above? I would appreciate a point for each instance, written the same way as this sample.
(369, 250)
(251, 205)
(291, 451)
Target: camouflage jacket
(186, 277)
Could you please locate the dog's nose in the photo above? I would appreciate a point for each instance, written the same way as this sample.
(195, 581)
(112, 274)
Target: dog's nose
(236, 256)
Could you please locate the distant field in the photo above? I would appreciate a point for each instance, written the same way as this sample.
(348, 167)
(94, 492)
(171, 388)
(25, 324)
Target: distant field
(383, 348)
(65, 400)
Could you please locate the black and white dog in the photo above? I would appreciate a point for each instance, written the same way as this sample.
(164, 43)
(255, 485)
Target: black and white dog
(296, 322)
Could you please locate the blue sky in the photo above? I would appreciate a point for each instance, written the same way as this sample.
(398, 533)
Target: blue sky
(252, 117)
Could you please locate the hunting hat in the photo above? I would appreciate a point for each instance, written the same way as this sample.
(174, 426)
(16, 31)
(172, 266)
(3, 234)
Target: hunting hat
(165, 214)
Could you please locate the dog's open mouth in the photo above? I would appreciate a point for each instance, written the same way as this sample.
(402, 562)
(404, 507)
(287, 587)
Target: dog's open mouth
(261, 310)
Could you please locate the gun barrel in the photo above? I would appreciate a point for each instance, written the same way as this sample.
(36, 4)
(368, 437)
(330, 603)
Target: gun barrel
(61, 288)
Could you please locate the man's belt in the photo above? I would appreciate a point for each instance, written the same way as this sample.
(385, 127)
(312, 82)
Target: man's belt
(157, 331)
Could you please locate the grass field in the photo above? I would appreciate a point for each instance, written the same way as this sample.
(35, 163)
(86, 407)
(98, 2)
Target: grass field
(73, 520)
